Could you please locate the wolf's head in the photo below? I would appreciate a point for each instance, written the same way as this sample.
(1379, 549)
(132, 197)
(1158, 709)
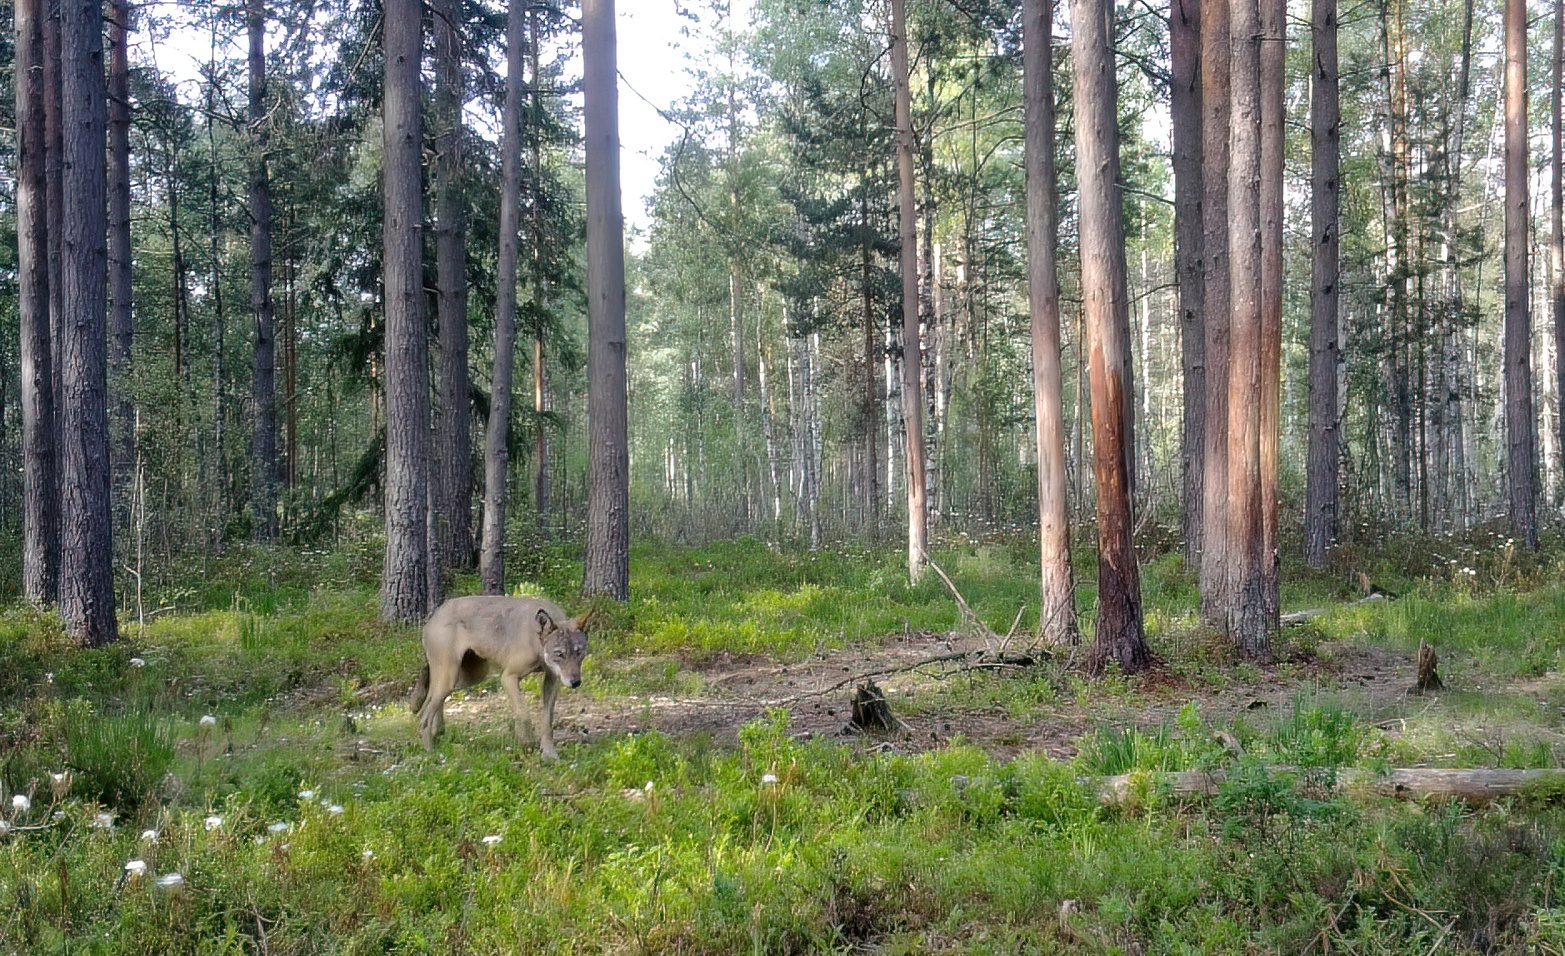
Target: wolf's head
(564, 646)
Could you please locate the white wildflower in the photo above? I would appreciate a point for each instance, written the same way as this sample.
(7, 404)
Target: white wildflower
(22, 803)
(306, 794)
(278, 827)
(149, 836)
(648, 787)
(207, 720)
(333, 808)
(137, 662)
(103, 821)
(49, 677)
(368, 854)
(170, 881)
(213, 822)
(136, 868)
(491, 839)
(768, 778)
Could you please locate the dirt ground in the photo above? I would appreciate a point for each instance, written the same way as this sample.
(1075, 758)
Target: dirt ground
(735, 689)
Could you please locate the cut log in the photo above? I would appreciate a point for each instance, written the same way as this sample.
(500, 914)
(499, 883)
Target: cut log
(1474, 786)
(1310, 614)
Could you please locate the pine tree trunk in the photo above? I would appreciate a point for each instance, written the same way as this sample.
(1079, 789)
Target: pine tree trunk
(87, 545)
(1185, 110)
(40, 463)
(542, 482)
(451, 464)
(1320, 494)
(1120, 635)
(121, 328)
(263, 340)
(1215, 104)
(912, 349)
(1274, 36)
(606, 559)
(1557, 219)
(496, 455)
(1057, 607)
(404, 594)
(871, 381)
(1521, 458)
(54, 166)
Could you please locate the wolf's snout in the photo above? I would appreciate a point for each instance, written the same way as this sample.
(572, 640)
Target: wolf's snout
(576, 683)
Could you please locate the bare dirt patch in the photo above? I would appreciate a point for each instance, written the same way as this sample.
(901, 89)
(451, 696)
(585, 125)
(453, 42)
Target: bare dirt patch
(734, 689)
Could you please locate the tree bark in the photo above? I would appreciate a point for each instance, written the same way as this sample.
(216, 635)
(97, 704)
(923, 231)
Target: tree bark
(1244, 598)
(606, 564)
(912, 348)
(40, 466)
(1215, 105)
(1521, 458)
(496, 456)
(1185, 108)
(54, 166)
(1273, 43)
(1320, 494)
(87, 544)
(404, 594)
(264, 477)
(1057, 605)
(121, 324)
(451, 466)
(1120, 635)
(1557, 219)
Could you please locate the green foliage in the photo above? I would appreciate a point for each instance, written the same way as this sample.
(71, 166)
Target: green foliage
(117, 760)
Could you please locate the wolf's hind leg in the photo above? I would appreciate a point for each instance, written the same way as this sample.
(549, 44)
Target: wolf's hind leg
(431, 717)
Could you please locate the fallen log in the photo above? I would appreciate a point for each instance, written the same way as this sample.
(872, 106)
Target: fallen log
(1304, 617)
(1472, 786)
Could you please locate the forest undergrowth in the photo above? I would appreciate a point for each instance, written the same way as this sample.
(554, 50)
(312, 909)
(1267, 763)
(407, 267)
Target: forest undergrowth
(241, 775)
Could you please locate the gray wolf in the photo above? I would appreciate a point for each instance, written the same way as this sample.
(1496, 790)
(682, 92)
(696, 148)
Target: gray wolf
(468, 638)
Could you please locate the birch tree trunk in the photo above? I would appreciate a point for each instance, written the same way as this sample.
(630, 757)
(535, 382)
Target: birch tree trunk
(1057, 606)
(912, 349)
(1120, 636)
(1557, 218)
(404, 594)
(491, 565)
(606, 564)
(87, 544)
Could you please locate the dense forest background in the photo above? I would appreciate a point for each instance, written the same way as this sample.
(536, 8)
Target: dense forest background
(765, 300)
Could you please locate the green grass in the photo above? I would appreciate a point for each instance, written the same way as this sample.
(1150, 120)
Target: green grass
(649, 843)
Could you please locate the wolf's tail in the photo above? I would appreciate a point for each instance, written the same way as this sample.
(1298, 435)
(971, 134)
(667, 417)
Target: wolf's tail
(420, 690)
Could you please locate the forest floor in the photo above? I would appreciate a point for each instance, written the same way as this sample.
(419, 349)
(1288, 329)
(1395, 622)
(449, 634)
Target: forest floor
(253, 738)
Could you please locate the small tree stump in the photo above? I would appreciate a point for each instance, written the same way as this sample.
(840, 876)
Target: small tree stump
(871, 713)
(1428, 679)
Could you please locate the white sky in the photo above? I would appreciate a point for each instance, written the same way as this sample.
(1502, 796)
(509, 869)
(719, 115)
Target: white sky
(655, 63)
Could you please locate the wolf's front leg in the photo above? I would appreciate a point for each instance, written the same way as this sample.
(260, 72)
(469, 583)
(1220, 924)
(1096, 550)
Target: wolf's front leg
(551, 689)
(513, 689)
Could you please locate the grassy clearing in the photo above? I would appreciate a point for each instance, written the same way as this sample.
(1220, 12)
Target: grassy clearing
(304, 818)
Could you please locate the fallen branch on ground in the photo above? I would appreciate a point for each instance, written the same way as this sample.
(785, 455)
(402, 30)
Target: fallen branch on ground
(1475, 786)
(1306, 616)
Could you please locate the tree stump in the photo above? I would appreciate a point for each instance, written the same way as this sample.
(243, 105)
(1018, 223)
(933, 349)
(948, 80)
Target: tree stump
(871, 713)
(1428, 679)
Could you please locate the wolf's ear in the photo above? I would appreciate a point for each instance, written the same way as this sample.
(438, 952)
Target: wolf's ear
(585, 621)
(545, 622)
